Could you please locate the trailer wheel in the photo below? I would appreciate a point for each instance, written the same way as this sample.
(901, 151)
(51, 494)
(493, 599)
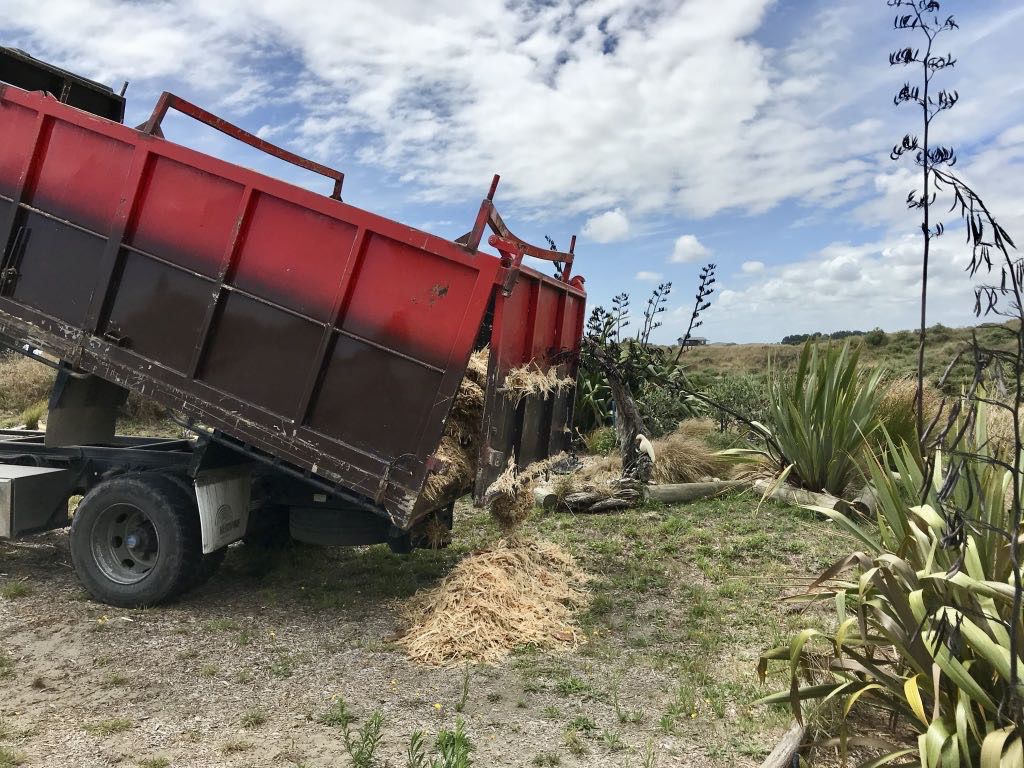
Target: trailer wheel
(135, 541)
(211, 561)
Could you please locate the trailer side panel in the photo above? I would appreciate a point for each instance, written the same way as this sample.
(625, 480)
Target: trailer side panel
(328, 336)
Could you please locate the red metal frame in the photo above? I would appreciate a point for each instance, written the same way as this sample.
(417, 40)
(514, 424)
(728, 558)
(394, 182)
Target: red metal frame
(511, 247)
(170, 101)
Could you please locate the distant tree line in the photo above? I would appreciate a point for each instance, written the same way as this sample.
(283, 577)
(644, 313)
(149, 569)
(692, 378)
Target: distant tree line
(800, 338)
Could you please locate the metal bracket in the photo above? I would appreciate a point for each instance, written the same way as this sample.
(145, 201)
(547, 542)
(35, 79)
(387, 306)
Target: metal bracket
(515, 248)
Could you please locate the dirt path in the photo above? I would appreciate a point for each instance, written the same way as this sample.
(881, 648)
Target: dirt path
(243, 671)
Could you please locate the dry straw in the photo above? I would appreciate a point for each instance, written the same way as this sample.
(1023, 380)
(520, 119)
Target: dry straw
(513, 594)
(529, 380)
(460, 444)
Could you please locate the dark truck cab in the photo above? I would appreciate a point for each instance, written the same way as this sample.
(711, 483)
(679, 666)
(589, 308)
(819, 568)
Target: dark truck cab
(315, 349)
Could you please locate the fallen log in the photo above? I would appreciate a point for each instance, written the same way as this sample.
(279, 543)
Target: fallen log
(782, 755)
(679, 493)
(798, 496)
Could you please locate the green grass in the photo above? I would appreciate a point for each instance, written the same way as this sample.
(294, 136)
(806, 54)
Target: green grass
(338, 715)
(12, 590)
(692, 592)
(9, 758)
(154, 762)
(253, 718)
(108, 727)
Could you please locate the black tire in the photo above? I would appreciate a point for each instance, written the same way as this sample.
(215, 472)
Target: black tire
(136, 541)
(269, 529)
(212, 561)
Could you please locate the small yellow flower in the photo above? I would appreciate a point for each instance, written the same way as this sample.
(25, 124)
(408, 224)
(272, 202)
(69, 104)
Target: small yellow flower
(437, 706)
(394, 682)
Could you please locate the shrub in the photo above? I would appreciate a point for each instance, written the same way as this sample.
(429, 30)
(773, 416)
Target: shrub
(23, 382)
(823, 417)
(875, 337)
(746, 394)
(661, 409)
(602, 441)
(924, 620)
(32, 415)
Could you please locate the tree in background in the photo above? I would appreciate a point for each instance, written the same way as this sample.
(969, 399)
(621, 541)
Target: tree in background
(923, 18)
(628, 362)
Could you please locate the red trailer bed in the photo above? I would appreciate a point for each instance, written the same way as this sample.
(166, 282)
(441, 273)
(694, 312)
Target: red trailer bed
(319, 333)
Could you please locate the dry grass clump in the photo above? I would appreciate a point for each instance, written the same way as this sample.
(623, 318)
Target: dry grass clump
(697, 428)
(897, 408)
(683, 458)
(999, 424)
(460, 443)
(529, 379)
(680, 457)
(512, 594)
(23, 382)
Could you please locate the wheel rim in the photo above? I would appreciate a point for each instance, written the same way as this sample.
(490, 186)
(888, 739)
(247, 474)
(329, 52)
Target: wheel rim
(125, 543)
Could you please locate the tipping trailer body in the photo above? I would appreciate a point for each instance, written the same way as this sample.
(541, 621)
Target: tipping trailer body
(306, 331)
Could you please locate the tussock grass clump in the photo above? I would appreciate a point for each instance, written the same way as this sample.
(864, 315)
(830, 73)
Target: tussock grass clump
(23, 382)
(897, 408)
(682, 457)
(35, 413)
(512, 594)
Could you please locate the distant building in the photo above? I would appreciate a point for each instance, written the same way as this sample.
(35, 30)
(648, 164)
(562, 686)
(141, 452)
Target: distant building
(693, 341)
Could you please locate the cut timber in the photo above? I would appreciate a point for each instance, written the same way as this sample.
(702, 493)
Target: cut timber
(799, 496)
(867, 502)
(782, 755)
(678, 493)
(545, 498)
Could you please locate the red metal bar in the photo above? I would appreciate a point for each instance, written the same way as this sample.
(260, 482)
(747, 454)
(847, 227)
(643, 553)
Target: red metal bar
(511, 246)
(169, 100)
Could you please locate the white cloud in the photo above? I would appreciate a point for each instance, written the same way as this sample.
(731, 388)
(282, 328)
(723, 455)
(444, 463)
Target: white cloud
(607, 227)
(688, 248)
(648, 277)
(613, 104)
(752, 267)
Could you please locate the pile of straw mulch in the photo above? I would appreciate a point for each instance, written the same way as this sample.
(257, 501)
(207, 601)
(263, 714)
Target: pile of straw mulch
(460, 445)
(512, 594)
(529, 380)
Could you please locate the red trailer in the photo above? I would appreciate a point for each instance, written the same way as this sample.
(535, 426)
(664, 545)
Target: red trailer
(315, 347)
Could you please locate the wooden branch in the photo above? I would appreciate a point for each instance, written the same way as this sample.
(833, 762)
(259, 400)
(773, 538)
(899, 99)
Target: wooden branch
(782, 755)
(799, 496)
(683, 492)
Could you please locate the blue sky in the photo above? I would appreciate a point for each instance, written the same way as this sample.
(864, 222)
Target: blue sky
(751, 133)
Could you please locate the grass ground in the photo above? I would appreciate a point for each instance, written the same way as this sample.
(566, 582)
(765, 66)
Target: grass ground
(250, 669)
(896, 352)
